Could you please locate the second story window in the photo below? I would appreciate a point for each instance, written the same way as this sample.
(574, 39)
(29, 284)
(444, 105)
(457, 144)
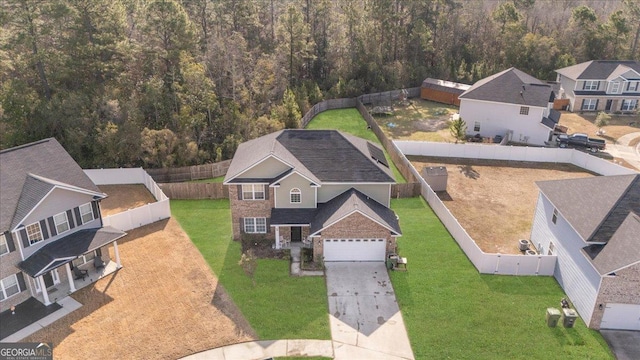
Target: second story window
(4, 248)
(62, 223)
(295, 196)
(253, 192)
(86, 213)
(590, 85)
(615, 87)
(33, 233)
(524, 110)
(633, 86)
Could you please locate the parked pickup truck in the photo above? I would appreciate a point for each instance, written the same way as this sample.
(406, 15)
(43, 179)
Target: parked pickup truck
(581, 140)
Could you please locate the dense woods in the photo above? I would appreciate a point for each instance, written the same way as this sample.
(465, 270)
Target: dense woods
(167, 82)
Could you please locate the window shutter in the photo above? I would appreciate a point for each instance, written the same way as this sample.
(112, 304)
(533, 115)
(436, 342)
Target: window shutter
(582, 106)
(25, 239)
(584, 85)
(43, 227)
(239, 187)
(52, 226)
(76, 211)
(597, 85)
(20, 277)
(10, 244)
(628, 85)
(99, 252)
(268, 225)
(241, 225)
(597, 101)
(94, 207)
(266, 191)
(72, 223)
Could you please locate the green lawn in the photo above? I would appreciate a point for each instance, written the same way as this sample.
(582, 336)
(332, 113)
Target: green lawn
(218, 179)
(350, 121)
(278, 306)
(453, 312)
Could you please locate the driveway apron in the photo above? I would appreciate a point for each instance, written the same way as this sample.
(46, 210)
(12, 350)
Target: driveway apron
(363, 310)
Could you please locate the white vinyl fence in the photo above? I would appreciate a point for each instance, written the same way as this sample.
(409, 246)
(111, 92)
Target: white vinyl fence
(142, 215)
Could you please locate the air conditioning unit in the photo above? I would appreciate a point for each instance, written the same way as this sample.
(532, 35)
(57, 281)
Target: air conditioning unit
(530, 252)
(523, 244)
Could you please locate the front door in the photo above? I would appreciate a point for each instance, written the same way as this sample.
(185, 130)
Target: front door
(608, 107)
(296, 233)
(48, 279)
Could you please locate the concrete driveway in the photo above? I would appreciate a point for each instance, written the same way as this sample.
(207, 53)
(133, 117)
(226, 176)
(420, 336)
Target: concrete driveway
(364, 314)
(624, 344)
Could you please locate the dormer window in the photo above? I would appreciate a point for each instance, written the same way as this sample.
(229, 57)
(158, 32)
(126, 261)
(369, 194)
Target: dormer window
(295, 196)
(590, 85)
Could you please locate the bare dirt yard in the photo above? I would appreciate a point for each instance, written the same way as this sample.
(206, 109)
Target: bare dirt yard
(124, 197)
(165, 303)
(495, 200)
(418, 119)
(585, 123)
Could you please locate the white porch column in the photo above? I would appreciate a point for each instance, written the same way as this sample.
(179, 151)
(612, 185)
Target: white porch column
(43, 287)
(115, 250)
(72, 285)
(277, 237)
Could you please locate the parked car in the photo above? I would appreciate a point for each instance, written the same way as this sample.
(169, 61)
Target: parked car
(581, 140)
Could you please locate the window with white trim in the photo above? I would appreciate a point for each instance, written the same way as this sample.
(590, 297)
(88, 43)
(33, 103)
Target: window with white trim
(629, 105)
(476, 126)
(633, 86)
(4, 248)
(524, 110)
(9, 286)
(34, 234)
(590, 85)
(589, 104)
(615, 87)
(255, 225)
(61, 221)
(86, 213)
(253, 192)
(295, 196)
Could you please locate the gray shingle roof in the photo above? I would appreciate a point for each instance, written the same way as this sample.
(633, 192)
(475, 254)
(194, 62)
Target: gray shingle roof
(596, 69)
(511, 86)
(68, 248)
(320, 155)
(46, 159)
(349, 202)
(623, 248)
(594, 206)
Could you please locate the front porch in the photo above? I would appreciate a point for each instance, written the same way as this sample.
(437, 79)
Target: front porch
(66, 287)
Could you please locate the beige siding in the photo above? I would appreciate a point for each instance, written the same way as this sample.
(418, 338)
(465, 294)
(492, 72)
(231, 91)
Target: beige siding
(267, 169)
(624, 288)
(295, 181)
(379, 193)
(57, 201)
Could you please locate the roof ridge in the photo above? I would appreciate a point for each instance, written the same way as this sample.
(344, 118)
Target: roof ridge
(19, 147)
(632, 183)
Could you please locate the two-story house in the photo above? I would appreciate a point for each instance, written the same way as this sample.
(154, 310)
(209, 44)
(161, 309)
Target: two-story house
(593, 226)
(510, 103)
(326, 188)
(51, 229)
(601, 85)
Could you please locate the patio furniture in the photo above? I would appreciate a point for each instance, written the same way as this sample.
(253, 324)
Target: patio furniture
(98, 263)
(79, 273)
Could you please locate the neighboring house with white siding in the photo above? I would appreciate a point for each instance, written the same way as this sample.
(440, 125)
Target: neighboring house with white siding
(50, 224)
(593, 226)
(510, 103)
(601, 85)
(325, 188)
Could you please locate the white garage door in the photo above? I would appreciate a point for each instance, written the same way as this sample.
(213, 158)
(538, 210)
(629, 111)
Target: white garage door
(621, 316)
(354, 249)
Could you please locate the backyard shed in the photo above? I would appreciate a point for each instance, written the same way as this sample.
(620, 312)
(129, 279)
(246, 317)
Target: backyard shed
(436, 177)
(442, 91)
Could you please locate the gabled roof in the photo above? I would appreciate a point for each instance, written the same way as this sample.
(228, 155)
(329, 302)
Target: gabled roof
(599, 69)
(30, 171)
(319, 155)
(350, 202)
(552, 119)
(596, 206)
(622, 250)
(511, 86)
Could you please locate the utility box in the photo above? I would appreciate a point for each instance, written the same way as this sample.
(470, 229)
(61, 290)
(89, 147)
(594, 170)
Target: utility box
(436, 177)
(569, 317)
(553, 315)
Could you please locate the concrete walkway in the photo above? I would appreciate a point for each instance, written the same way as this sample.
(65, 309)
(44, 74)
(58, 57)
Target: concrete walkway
(621, 149)
(295, 264)
(68, 305)
(259, 350)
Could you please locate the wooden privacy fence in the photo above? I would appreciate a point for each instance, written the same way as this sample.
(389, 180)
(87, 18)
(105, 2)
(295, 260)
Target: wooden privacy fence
(195, 190)
(389, 96)
(189, 173)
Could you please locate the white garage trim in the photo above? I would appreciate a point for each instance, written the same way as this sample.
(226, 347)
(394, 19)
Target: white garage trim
(354, 249)
(621, 317)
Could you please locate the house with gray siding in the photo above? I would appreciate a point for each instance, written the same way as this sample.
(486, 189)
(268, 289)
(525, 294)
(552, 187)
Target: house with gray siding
(601, 85)
(593, 226)
(323, 188)
(511, 104)
(51, 231)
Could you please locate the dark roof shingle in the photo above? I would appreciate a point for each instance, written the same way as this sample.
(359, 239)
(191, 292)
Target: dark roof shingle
(511, 86)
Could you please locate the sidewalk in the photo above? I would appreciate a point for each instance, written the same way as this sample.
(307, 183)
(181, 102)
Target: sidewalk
(257, 350)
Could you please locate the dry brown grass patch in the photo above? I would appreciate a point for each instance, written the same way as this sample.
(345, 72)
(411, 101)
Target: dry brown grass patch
(124, 197)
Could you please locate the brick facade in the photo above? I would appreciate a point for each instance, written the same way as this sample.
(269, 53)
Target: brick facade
(355, 226)
(249, 208)
(623, 288)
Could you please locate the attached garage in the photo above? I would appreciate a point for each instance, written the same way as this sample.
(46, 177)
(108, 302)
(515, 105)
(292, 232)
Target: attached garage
(621, 317)
(354, 249)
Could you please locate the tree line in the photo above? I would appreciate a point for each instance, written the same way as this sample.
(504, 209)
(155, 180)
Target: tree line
(159, 83)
